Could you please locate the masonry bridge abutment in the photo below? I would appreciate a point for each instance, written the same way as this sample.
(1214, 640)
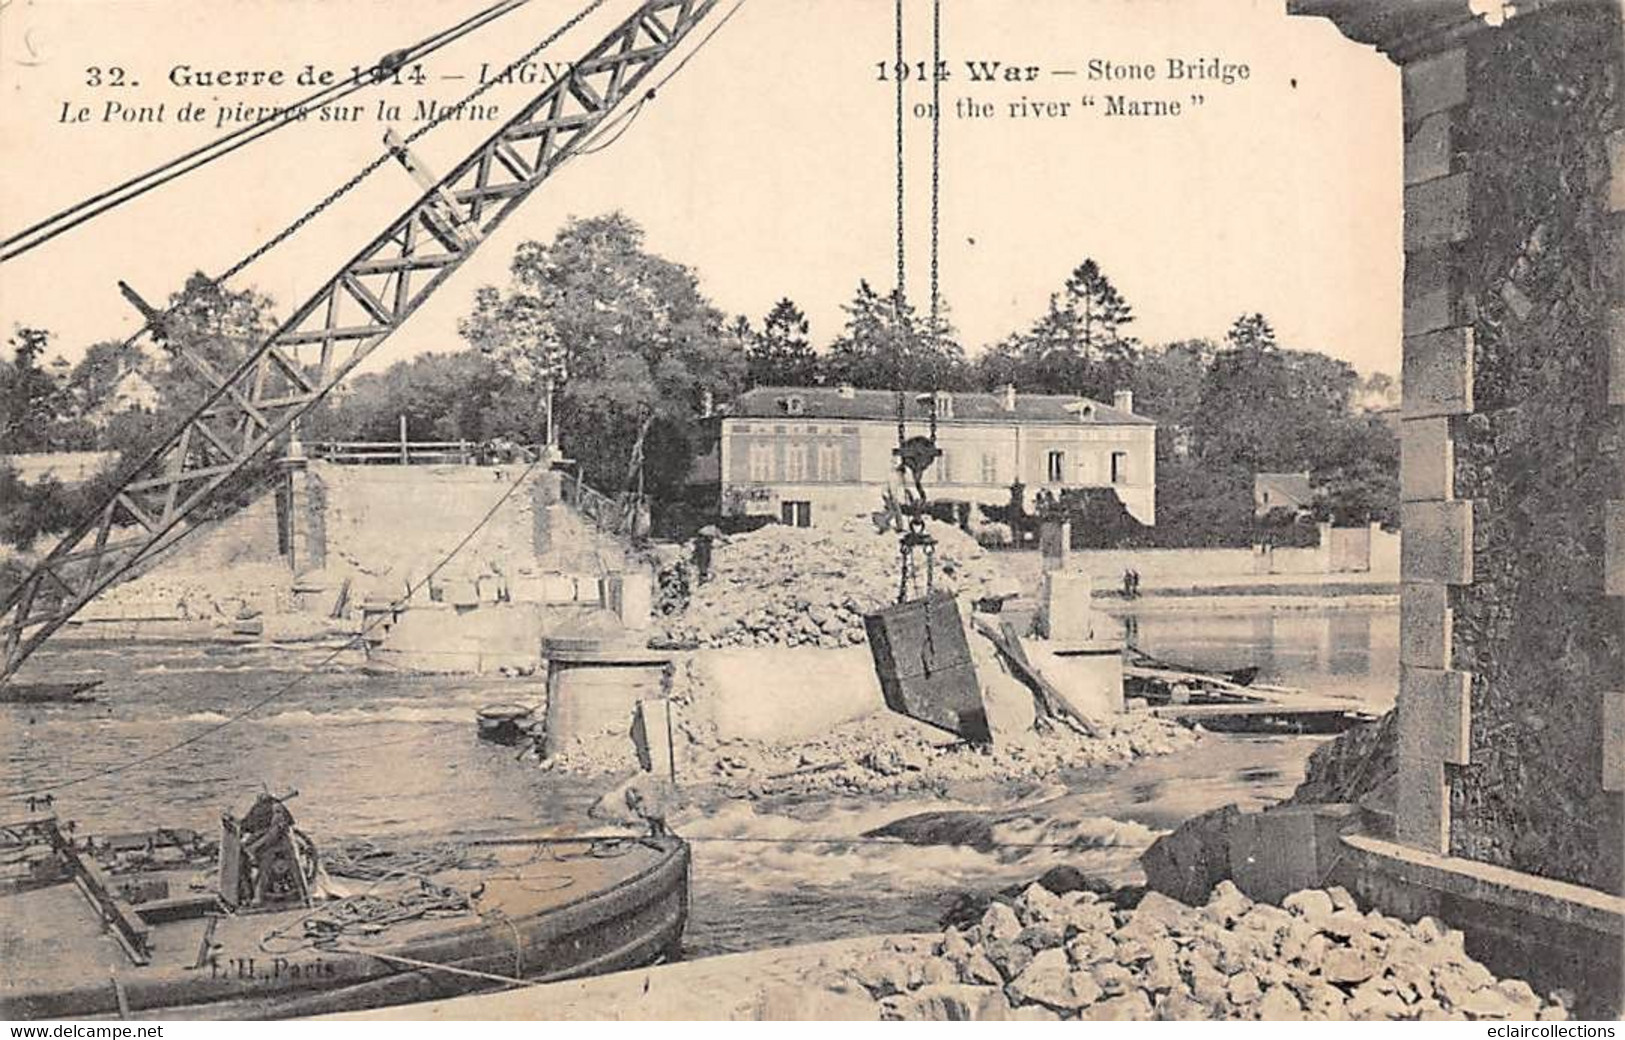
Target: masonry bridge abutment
(1510, 805)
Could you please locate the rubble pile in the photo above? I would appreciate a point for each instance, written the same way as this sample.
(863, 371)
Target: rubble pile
(804, 586)
(1053, 956)
(882, 753)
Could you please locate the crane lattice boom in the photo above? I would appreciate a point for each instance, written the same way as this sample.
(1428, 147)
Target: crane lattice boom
(254, 405)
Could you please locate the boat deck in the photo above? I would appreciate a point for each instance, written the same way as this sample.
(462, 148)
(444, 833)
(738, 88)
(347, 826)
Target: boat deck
(537, 910)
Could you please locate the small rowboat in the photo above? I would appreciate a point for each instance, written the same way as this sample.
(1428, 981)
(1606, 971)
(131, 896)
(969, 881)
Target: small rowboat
(13, 692)
(95, 942)
(506, 723)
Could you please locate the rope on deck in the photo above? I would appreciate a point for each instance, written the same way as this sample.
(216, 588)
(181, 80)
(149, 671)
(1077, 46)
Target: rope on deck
(412, 962)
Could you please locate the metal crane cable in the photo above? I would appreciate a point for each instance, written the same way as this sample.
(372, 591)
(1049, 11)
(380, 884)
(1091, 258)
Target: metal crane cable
(375, 164)
(59, 223)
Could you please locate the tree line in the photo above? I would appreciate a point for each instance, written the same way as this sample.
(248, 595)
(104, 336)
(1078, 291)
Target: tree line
(625, 347)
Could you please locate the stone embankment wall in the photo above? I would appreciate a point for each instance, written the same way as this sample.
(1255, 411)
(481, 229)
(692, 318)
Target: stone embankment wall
(382, 529)
(402, 520)
(1512, 641)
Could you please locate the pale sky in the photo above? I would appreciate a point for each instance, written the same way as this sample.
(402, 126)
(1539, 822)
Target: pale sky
(766, 164)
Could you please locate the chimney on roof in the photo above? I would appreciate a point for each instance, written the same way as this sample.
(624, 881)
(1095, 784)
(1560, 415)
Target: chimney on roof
(1009, 397)
(846, 391)
(1123, 401)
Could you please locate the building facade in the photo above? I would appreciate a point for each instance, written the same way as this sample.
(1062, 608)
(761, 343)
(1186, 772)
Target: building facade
(814, 455)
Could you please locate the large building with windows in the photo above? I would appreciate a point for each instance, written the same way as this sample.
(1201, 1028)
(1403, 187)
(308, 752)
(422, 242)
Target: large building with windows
(814, 455)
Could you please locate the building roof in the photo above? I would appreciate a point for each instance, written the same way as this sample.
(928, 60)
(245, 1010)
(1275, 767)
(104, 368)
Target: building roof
(828, 402)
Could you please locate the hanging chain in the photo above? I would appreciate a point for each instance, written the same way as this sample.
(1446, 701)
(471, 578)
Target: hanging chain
(898, 71)
(440, 117)
(925, 540)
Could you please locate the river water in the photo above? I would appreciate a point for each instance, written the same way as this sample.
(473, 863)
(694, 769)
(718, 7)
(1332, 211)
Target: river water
(397, 758)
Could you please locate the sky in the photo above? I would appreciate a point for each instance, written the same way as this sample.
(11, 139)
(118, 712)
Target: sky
(766, 164)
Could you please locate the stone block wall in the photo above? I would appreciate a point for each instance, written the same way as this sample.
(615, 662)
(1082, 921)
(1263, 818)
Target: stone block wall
(1513, 631)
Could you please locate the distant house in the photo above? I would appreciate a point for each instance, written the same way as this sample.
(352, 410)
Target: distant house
(133, 391)
(812, 455)
(1291, 491)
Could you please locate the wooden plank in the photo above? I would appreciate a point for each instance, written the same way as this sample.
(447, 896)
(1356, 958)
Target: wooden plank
(131, 932)
(1049, 697)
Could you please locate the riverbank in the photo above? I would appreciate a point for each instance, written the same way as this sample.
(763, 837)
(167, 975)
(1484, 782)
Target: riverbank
(1242, 599)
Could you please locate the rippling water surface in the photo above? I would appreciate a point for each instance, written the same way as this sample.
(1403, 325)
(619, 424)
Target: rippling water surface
(397, 758)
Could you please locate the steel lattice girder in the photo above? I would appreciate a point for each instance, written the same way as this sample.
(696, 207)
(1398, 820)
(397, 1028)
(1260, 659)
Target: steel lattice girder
(370, 297)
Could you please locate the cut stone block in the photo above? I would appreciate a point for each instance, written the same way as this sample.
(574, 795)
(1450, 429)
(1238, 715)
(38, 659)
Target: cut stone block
(1426, 462)
(1272, 854)
(1613, 742)
(1616, 165)
(1434, 84)
(1438, 373)
(1424, 625)
(1422, 806)
(1437, 546)
(1434, 713)
(1066, 613)
(1616, 355)
(1614, 549)
(1429, 149)
(1430, 296)
(1437, 213)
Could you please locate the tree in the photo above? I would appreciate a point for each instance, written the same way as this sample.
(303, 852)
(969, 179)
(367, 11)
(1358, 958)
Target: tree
(887, 345)
(31, 403)
(1077, 346)
(629, 338)
(213, 324)
(781, 354)
(463, 395)
(1100, 309)
(1251, 333)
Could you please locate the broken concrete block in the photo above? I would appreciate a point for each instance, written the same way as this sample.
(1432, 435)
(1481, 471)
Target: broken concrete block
(1189, 862)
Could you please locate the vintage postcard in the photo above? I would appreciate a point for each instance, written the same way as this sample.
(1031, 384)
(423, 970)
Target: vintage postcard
(856, 510)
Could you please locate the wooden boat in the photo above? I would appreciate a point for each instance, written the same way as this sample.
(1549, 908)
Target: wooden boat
(506, 723)
(1298, 717)
(129, 934)
(1235, 677)
(47, 692)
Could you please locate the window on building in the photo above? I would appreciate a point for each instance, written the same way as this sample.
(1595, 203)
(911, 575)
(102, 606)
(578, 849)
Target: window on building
(945, 466)
(990, 467)
(1119, 467)
(761, 462)
(796, 514)
(829, 462)
(1056, 472)
(795, 463)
